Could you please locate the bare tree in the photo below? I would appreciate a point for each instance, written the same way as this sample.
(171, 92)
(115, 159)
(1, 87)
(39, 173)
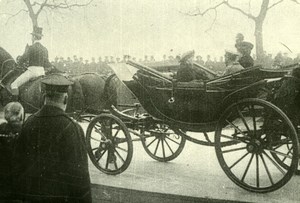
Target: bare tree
(35, 7)
(258, 20)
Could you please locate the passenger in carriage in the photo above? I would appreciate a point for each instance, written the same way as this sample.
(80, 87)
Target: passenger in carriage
(186, 71)
(231, 62)
(245, 50)
(37, 57)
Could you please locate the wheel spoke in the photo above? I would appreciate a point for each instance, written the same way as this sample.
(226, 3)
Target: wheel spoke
(119, 155)
(96, 139)
(275, 164)
(240, 159)
(101, 155)
(267, 169)
(116, 133)
(233, 150)
(289, 152)
(151, 142)
(163, 148)
(115, 164)
(169, 147)
(243, 118)
(236, 128)
(106, 165)
(247, 168)
(156, 147)
(232, 138)
(173, 140)
(253, 119)
(257, 171)
(280, 153)
(121, 149)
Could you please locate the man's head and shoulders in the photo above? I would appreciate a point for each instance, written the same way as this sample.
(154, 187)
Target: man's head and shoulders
(37, 35)
(232, 62)
(56, 95)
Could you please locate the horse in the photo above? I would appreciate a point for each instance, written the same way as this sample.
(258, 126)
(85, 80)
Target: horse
(90, 93)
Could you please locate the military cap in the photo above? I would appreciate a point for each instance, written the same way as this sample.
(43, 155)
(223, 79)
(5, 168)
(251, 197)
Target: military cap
(56, 83)
(229, 52)
(246, 45)
(186, 56)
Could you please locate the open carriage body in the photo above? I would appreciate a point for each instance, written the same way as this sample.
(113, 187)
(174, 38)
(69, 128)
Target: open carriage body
(256, 143)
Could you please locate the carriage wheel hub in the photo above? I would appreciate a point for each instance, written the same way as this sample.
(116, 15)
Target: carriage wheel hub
(255, 146)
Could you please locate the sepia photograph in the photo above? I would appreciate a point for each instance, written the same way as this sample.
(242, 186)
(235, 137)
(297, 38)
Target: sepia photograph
(149, 101)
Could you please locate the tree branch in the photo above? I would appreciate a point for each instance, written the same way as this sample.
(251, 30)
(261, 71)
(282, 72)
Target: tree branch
(41, 7)
(276, 3)
(226, 2)
(13, 15)
(62, 5)
(198, 12)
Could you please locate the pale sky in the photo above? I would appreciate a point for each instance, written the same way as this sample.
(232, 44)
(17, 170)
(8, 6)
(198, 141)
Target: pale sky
(149, 27)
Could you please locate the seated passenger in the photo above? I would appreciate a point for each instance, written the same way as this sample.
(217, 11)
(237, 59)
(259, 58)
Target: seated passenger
(231, 62)
(245, 50)
(186, 71)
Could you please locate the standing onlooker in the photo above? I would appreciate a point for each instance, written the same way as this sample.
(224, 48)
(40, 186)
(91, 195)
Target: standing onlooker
(51, 162)
(9, 131)
(209, 62)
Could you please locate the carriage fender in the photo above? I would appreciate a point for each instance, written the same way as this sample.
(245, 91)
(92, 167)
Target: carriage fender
(240, 93)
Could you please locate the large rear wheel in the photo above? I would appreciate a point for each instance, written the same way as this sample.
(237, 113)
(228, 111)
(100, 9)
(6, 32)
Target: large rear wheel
(265, 156)
(109, 144)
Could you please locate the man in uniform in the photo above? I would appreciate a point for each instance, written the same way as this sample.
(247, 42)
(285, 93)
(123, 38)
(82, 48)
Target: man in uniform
(245, 50)
(51, 162)
(231, 62)
(37, 57)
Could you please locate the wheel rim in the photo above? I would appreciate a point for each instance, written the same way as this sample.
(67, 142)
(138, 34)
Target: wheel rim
(263, 132)
(162, 143)
(109, 144)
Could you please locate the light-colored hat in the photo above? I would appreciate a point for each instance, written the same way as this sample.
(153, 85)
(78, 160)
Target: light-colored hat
(186, 56)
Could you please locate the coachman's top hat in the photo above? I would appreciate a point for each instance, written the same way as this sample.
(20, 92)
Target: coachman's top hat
(37, 31)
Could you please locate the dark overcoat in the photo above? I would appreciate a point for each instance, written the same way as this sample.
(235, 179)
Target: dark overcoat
(36, 55)
(246, 61)
(7, 137)
(50, 160)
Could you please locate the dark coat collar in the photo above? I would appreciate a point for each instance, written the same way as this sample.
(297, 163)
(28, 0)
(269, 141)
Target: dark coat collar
(49, 111)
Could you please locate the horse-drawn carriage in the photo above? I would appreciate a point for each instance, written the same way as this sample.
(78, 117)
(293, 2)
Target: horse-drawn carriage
(255, 141)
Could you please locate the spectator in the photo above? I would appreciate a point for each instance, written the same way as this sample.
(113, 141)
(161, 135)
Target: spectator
(51, 162)
(9, 131)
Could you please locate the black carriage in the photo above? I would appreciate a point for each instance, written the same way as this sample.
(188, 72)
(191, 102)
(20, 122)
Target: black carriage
(255, 142)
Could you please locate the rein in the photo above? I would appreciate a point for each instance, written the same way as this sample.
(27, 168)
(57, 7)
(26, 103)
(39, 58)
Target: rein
(7, 60)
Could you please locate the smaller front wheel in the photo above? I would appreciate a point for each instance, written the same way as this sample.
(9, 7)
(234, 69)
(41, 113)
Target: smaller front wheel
(161, 142)
(109, 144)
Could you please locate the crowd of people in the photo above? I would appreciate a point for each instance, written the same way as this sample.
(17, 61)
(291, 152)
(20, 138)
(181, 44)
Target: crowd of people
(79, 64)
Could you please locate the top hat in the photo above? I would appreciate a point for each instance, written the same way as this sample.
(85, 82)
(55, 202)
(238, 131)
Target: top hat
(37, 31)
